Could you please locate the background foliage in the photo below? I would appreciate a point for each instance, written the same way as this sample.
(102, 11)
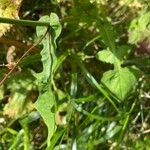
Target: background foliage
(86, 85)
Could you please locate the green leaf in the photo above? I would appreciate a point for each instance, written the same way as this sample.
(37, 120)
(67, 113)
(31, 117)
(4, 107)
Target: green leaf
(40, 30)
(106, 56)
(121, 81)
(138, 29)
(49, 58)
(46, 99)
(55, 25)
(108, 34)
(45, 53)
(44, 105)
(55, 32)
(134, 36)
(144, 21)
(116, 57)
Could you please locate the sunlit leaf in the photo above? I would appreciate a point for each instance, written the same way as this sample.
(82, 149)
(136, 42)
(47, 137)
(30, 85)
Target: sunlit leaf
(116, 57)
(138, 29)
(121, 82)
(107, 56)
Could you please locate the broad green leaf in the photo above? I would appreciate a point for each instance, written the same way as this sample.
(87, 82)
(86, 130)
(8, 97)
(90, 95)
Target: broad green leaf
(44, 105)
(121, 82)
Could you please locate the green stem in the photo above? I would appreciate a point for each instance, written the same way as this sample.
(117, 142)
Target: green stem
(23, 22)
(126, 122)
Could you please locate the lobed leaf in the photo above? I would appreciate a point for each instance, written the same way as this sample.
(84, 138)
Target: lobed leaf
(46, 99)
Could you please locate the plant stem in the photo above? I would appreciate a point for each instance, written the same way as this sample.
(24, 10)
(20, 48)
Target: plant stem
(23, 22)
